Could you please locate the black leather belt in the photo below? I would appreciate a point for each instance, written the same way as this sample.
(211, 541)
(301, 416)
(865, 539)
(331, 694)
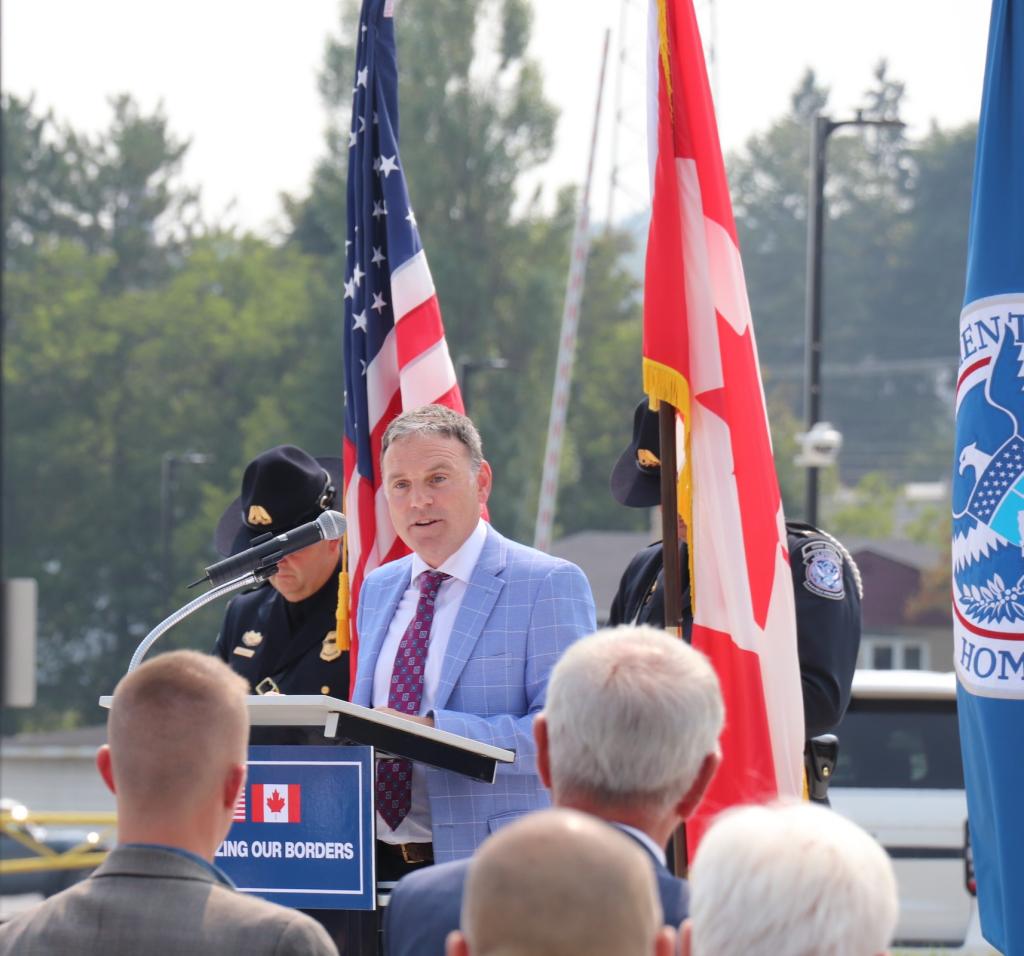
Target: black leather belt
(407, 852)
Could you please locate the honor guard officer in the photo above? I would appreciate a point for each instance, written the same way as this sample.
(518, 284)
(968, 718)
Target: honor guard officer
(826, 585)
(281, 637)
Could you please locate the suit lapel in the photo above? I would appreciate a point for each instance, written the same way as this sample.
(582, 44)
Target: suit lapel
(371, 641)
(481, 594)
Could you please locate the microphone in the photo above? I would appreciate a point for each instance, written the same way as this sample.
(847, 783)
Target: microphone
(267, 550)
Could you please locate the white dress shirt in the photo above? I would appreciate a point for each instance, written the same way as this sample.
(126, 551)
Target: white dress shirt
(415, 828)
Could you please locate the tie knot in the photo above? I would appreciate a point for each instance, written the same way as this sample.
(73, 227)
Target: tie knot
(430, 581)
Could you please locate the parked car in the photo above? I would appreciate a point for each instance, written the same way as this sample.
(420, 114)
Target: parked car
(60, 840)
(900, 776)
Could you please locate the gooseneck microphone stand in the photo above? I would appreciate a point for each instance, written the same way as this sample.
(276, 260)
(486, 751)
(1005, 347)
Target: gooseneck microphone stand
(257, 576)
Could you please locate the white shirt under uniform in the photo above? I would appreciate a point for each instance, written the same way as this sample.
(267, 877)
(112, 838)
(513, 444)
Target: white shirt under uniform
(415, 828)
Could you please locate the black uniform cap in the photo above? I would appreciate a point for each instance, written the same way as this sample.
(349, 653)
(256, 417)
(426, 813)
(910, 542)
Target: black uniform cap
(282, 488)
(636, 477)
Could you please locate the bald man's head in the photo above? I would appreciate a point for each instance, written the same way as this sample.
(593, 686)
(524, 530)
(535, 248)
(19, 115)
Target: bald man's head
(177, 725)
(557, 883)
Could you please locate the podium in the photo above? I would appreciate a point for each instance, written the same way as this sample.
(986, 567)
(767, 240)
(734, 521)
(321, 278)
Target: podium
(386, 733)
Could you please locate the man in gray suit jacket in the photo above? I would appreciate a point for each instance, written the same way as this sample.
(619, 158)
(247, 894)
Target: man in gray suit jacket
(175, 761)
(629, 734)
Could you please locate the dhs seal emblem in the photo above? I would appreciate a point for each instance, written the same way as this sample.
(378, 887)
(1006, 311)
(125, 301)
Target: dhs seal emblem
(988, 499)
(823, 570)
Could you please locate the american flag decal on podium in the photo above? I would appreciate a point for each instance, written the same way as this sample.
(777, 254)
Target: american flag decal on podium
(396, 357)
(239, 814)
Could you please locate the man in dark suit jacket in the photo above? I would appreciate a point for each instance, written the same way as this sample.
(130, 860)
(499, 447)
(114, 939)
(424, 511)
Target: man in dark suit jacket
(629, 734)
(176, 762)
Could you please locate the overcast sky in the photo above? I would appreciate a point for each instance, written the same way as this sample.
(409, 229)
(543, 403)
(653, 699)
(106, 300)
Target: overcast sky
(238, 77)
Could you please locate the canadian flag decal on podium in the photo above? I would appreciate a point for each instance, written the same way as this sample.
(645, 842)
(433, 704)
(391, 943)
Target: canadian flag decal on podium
(276, 803)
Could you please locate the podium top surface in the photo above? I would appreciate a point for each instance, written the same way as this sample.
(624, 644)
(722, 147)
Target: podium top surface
(303, 710)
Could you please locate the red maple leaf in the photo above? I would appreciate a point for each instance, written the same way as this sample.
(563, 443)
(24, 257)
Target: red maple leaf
(275, 802)
(738, 404)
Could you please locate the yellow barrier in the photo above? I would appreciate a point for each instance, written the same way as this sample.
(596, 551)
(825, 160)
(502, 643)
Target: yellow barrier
(84, 855)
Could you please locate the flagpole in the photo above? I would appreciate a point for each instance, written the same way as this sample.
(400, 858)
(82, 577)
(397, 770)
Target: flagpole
(567, 342)
(672, 580)
(669, 520)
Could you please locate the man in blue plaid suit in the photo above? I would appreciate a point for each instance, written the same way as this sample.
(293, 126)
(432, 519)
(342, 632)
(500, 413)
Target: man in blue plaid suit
(499, 615)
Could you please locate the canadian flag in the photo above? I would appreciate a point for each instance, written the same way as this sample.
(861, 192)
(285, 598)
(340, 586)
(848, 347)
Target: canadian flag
(276, 803)
(700, 357)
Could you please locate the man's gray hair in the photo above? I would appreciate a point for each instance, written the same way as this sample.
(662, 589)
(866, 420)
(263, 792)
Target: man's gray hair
(790, 878)
(632, 713)
(436, 420)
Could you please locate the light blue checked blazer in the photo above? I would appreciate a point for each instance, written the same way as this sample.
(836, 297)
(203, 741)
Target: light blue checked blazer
(520, 612)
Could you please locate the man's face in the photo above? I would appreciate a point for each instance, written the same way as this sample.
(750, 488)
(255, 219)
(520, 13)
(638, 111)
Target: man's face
(302, 573)
(433, 495)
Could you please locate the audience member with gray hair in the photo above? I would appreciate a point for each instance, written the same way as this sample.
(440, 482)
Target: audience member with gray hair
(175, 761)
(789, 880)
(526, 894)
(629, 734)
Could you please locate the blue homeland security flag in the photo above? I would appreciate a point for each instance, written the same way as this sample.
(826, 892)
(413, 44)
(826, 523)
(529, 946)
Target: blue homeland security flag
(988, 492)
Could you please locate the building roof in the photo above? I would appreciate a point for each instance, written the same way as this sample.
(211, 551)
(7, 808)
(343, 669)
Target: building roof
(922, 557)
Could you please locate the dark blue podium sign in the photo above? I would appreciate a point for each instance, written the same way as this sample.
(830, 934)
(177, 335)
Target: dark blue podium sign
(304, 828)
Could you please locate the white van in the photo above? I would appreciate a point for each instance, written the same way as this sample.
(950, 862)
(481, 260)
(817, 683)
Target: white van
(900, 777)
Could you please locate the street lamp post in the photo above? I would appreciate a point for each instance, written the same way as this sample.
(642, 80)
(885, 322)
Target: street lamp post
(468, 365)
(824, 126)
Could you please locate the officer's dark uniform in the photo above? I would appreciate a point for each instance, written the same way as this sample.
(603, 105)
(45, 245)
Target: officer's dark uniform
(826, 589)
(287, 647)
(293, 643)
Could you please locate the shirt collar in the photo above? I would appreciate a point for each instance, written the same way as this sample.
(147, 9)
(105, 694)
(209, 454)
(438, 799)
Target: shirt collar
(643, 838)
(459, 565)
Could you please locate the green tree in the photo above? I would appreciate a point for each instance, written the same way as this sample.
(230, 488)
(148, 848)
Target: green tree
(99, 388)
(116, 193)
(893, 268)
(871, 512)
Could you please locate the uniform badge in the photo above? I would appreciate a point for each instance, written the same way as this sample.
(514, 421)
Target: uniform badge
(252, 638)
(258, 515)
(243, 651)
(823, 570)
(329, 650)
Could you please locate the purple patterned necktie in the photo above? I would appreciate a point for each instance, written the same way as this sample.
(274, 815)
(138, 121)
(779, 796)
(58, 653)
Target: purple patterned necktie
(394, 777)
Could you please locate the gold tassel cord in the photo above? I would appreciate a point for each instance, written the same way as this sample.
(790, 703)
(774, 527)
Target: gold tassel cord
(342, 622)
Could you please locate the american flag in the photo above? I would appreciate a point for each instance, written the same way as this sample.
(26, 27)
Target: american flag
(700, 356)
(396, 357)
(239, 814)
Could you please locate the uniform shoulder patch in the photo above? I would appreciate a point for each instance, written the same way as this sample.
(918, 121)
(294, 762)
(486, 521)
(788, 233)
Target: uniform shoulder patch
(823, 570)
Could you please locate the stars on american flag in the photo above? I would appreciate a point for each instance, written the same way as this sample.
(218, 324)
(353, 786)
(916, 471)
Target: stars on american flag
(388, 165)
(359, 321)
(378, 305)
(378, 256)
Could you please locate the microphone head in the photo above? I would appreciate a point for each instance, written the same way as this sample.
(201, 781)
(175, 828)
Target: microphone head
(331, 525)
